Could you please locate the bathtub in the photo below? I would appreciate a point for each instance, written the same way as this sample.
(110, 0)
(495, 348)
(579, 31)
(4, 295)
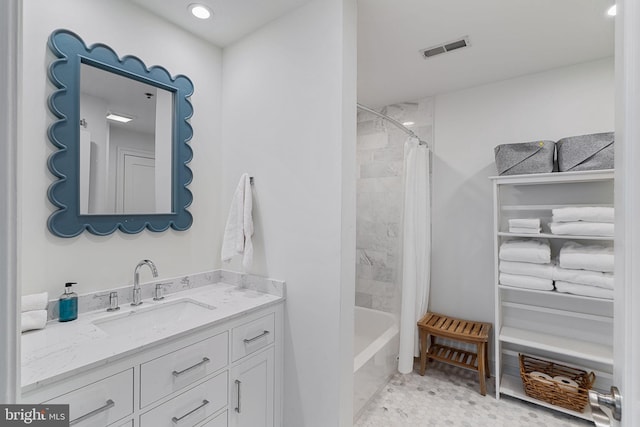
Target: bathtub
(375, 350)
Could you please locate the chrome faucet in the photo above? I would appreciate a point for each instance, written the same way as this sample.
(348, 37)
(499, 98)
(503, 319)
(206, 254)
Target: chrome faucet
(137, 298)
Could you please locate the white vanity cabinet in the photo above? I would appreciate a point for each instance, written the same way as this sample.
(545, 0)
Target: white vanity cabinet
(228, 374)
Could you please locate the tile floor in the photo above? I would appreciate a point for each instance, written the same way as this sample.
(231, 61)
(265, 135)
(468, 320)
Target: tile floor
(449, 396)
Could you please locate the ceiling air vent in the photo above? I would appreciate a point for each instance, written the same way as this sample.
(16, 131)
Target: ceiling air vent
(445, 47)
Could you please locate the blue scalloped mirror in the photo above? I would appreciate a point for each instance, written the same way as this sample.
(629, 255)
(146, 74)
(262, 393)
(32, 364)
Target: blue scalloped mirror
(121, 133)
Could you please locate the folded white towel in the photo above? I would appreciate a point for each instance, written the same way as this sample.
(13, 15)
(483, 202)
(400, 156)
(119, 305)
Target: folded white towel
(586, 257)
(589, 291)
(584, 277)
(239, 228)
(517, 230)
(34, 302)
(543, 271)
(527, 282)
(587, 213)
(525, 223)
(582, 228)
(531, 250)
(36, 319)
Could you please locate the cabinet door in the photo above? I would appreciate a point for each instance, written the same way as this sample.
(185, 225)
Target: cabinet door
(252, 386)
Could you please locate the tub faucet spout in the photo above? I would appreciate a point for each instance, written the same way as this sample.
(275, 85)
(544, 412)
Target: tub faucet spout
(137, 298)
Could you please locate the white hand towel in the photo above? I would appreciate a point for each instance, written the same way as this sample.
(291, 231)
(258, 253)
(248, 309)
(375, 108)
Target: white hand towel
(543, 271)
(586, 257)
(587, 213)
(239, 227)
(34, 302)
(36, 319)
(584, 277)
(582, 228)
(525, 223)
(589, 291)
(526, 282)
(247, 220)
(518, 230)
(531, 250)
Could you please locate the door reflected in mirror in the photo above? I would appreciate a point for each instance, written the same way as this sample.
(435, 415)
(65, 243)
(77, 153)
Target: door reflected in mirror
(125, 145)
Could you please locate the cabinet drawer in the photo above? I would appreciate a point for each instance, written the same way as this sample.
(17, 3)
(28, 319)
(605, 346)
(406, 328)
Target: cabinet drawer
(190, 407)
(252, 336)
(100, 403)
(174, 371)
(219, 421)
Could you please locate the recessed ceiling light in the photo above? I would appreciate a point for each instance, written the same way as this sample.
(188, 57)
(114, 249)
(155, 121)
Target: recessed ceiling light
(117, 117)
(200, 11)
(408, 123)
(612, 11)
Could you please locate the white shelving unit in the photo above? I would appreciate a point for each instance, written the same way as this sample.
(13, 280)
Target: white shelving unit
(571, 329)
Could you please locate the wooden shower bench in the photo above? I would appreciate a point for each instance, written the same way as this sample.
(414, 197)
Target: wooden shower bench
(434, 325)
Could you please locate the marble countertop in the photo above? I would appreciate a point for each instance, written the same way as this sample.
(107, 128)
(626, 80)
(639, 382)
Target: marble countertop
(64, 349)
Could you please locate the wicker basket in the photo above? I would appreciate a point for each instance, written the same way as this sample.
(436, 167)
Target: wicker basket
(566, 396)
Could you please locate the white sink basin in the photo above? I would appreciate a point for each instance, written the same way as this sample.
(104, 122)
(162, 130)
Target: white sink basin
(152, 318)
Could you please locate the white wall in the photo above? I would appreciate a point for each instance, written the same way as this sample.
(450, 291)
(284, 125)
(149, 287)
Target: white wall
(101, 262)
(289, 121)
(163, 143)
(94, 110)
(569, 101)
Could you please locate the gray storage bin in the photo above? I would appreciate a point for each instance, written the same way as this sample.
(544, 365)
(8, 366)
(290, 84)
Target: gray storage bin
(525, 157)
(586, 152)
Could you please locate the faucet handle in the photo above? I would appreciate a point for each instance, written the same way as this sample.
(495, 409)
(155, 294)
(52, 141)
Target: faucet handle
(137, 297)
(159, 292)
(113, 302)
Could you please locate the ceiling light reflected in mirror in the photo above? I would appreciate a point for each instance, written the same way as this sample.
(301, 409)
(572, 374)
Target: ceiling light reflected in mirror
(116, 117)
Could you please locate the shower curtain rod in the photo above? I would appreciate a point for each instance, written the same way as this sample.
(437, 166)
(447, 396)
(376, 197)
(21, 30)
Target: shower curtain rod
(392, 121)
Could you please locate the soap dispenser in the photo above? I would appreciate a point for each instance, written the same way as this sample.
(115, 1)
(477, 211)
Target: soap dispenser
(68, 304)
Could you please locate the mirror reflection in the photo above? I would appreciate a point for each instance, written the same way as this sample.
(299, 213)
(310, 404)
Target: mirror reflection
(125, 145)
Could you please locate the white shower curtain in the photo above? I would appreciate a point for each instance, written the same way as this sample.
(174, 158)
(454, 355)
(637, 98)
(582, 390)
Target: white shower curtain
(416, 246)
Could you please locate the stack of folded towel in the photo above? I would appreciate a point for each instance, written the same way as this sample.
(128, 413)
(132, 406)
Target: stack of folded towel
(524, 225)
(585, 270)
(34, 311)
(526, 264)
(582, 221)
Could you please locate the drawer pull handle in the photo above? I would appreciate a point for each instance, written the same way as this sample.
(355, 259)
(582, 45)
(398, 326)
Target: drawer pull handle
(175, 420)
(178, 373)
(238, 405)
(108, 405)
(257, 337)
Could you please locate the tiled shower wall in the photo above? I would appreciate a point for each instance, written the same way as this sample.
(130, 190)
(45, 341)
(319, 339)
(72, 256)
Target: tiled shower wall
(379, 201)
